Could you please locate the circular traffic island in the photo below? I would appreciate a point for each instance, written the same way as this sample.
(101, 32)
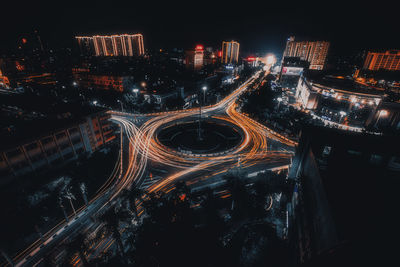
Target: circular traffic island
(215, 136)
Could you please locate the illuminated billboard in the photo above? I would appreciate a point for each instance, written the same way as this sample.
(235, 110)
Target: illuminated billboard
(292, 71)
(199, 48)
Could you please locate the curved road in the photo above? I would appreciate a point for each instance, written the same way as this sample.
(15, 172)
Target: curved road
(144, 148)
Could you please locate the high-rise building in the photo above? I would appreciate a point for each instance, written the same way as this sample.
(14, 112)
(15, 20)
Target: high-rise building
(292, 68)
(230, 52)
(86, 45)
(98, 46)
(314, 52)
(107, 46)
(115, 45)
(336, 173)
(195, 58)
(210, 56)
(389, 60)
(118, 45)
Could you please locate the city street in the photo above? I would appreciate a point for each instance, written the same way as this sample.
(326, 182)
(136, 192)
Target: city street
(260, 147)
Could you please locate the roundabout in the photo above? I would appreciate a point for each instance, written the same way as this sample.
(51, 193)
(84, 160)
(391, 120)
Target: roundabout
(214, 136)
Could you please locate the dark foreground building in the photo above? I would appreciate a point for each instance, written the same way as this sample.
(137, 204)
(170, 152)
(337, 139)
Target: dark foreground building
(347, 200)
(50, 142)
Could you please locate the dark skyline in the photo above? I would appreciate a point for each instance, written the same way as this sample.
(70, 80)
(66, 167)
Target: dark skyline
(258, 27)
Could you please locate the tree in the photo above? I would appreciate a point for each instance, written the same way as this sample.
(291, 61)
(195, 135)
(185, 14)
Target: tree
(83, 190)
(78, 245)
(112, 219)
(131, 197)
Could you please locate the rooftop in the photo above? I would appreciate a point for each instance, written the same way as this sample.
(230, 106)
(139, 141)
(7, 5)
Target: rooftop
(20, 126)
(344, 84)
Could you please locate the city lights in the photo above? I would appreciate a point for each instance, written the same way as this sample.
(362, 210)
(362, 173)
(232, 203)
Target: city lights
(270, 60)
(315, 52)
(223, 143)
(136, 91)
(113, 45)
(230, 52)
(383, 113)
(199, 47)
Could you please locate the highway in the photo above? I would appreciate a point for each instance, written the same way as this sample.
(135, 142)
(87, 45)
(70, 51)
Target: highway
(260, 148)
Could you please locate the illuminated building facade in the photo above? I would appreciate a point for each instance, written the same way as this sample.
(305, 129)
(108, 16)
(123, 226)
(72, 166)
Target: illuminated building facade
(313, 52)
(230, 52)
(102, 82)
(210, 56)
(195, 58)
(127, 45)
(4, 82)
(389, 60)
(292, 68)
(338, 100)
(252, 61)
(86, 45)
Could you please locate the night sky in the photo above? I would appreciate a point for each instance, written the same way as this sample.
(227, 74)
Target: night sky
(259, 26)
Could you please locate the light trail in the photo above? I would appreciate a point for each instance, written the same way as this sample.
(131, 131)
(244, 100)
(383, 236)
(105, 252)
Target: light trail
(144, 147)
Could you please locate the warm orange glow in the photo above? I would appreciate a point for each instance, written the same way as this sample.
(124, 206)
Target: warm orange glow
(315, 52)
(230, 52)
(270, 60)
(114, 45)
(144, 147)
(101, 81)
(383, 113)
(18, 66)
(389, 60)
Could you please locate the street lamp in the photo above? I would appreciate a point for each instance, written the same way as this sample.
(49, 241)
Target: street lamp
(381, 114)
(136, 91)
(204, 88)
(342, 114)
(204, 94)
(279, 101)
(95, 102)
(122, 108)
